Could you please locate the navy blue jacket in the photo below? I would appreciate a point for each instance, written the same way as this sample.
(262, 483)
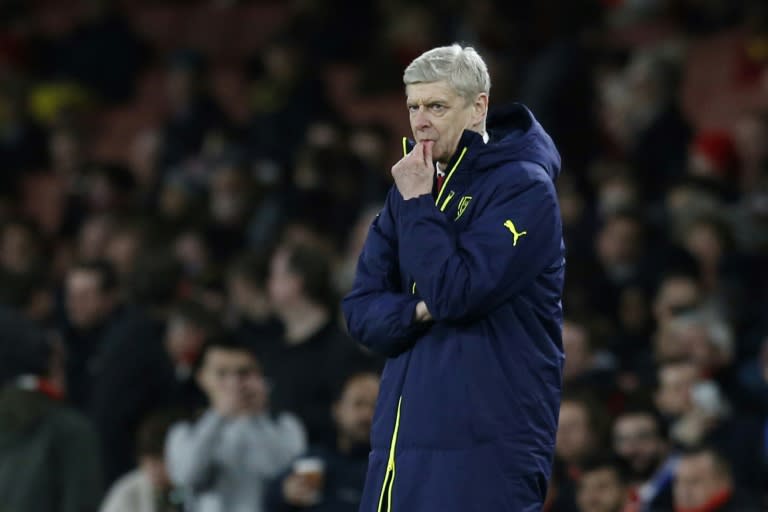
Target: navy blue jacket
(467, 413)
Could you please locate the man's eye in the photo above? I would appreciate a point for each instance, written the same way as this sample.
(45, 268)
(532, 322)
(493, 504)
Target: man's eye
(413, 108)
(437, 107)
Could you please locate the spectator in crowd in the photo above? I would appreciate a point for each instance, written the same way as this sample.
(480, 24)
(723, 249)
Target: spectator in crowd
(286, 95)
(225, 459)
(640, 442)
(301, 293)
(646, 119)
(619, 252)
(147, 488)
(698, 412)
(137, 374)
(708, 341)
(92, 307)
(581, 429)
(250, 310)
(343, 467)
(601, 487)
(581, 434)
(130, 385)
(704, 481)
(126, 240)
(30, 293)
(194, 114)
(713, 159)
(93, 235)
(49, 454)
(20, 247)
(229, 206)
(678, 292)
(584, 368)
(21, 139)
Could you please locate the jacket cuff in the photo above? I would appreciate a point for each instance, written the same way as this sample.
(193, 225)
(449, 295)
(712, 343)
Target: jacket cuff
(417, 206)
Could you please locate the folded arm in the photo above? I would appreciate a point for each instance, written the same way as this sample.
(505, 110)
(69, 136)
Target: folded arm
(379, 314)
(466, 275)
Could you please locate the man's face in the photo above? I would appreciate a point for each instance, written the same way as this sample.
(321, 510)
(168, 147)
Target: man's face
(577, 350)
(697, 481)
(600, 491)
(354, 410)
(618, 242)
(184, 340)
(283, 285)
(233, 381)
(675, 294)
(573, 434)
(439, 114)
(637, 441)
(87, 304)
(675, 382)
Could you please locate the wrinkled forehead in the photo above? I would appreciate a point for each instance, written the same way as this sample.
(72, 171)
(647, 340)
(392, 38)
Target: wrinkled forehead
(429, 92)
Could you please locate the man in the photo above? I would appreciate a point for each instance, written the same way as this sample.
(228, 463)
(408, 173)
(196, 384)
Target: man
(581, 434)
(92, 307)
(249, 307)
(225, 459)
(147, 366)
(147, 488)
(581, 430)
(704, 483)
(639, 440)
(49, 454)
(601, 487)
(459, 284)
(698, 413)
(341, 486)
(302, 364)
(585, 370)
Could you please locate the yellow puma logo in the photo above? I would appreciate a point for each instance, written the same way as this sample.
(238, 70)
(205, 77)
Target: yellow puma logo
(516, 234)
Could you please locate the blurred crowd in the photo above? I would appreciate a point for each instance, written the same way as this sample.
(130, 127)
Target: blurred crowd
(185, 187)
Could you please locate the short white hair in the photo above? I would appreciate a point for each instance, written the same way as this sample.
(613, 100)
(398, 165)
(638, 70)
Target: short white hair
(461, 68)
(719, 333)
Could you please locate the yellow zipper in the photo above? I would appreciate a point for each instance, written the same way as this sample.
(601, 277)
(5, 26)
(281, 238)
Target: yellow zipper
(447, 200)
(389, 476)
(450, 175)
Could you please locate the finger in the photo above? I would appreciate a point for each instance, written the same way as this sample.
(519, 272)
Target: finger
(428, 152)
(418, 151)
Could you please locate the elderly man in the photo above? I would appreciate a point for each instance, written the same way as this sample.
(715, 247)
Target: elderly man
(459, 284)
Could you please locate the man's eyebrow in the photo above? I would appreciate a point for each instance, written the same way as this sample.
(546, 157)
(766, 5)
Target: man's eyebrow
(426, 101)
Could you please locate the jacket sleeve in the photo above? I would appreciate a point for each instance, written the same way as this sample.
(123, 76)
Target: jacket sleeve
(189, 451)
(378, 313)
(516, 236)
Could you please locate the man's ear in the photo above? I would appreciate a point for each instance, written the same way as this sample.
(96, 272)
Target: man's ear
(480, 109)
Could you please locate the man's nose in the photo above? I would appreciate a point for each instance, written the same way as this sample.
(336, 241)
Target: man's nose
(421, 119)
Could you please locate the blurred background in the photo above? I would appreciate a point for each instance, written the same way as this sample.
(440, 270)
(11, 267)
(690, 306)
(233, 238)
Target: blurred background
(177, 172)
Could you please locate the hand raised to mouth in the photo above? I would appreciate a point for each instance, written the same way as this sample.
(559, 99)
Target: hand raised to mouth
(414, 172)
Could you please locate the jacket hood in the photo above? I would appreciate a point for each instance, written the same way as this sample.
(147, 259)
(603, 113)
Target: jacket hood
(515, 134)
